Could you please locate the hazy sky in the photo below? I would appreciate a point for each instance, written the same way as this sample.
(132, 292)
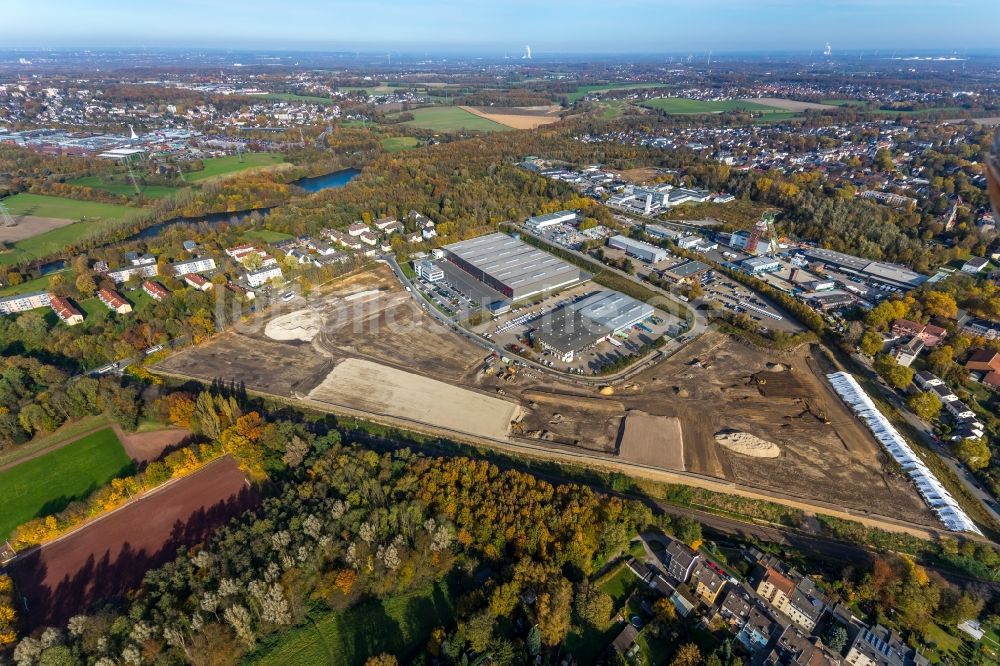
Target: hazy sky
(553, 26)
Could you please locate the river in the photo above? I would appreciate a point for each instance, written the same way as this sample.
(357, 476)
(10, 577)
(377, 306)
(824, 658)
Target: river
(328, 181)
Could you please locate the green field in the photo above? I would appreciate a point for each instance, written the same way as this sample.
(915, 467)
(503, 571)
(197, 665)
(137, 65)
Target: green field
(451, 119)
(38, 284)
(41, 205)
(266, 235)
(47, 484)
(681, 105)
(150, 191)
(397, 626)
(97, 217)
(223, 166)
(394, 144)
(376, 90)
(612, 108)
(291, 97)
(843, 102)
(583, 91)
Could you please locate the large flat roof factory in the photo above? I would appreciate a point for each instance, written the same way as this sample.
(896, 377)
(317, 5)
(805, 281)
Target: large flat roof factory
(512, 267)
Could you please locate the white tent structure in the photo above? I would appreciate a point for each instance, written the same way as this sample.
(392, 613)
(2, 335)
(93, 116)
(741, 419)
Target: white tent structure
(935, 495)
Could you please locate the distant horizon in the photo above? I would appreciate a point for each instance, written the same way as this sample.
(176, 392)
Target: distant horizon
(553, 27)
(513, 54)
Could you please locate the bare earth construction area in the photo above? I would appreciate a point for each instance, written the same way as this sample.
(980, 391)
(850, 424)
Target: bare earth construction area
(365, 344)
(383, 390)
(30, 225)
(518, 117)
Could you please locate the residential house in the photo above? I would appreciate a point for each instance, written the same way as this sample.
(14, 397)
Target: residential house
(683, 600)
(24, 302)
(357, 229)
(394, 227)
(240, 291)
(299, 256)
(991, 379)
(929, 334)
(331, 259)
(625, 642)
(197, 282)
(708, 581)
(126, 273)
(321, 248)
(736, 603)
(959, 409)
(681, 562)
(985, 328)
(926, 380)
(944, 393)
(413, 238)
(975, 265)
(757, 631)
(789, 593)
(368, 238)
(263, 276)
(879, 646)
(114, 301)
(68, 314)
(983, 360)
(238, 252)
(196, 265)
(387, 225)
(796, 648)
(906, 353)
(155, 290)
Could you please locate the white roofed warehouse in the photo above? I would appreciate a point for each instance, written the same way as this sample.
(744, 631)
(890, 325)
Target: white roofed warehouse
(512, 267)
(580, 325)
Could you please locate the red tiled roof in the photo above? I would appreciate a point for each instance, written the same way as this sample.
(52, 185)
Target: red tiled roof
(63, 308)
(112, 298)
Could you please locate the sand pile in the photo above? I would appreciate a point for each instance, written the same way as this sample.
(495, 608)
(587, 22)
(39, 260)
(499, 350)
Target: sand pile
(299, 325)
(748, 445)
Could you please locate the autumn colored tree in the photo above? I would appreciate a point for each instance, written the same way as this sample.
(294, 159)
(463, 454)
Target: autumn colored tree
(179, 409)
(687, 655)
(871, 343)
(940, 304)
(975, 453)
(384, 659)
(553, 611)
(926, 405)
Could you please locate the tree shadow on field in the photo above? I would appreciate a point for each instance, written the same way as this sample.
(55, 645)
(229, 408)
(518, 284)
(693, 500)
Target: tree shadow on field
(113, 566)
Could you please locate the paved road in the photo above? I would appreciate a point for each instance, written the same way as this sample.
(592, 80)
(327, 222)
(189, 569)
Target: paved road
(930, 440)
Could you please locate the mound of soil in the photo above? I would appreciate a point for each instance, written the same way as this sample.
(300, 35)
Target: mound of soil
(748, 445)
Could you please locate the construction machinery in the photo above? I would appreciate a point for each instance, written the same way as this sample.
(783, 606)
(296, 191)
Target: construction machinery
(819, 415)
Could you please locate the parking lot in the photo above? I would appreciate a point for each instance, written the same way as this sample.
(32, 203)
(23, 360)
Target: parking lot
(459, 294)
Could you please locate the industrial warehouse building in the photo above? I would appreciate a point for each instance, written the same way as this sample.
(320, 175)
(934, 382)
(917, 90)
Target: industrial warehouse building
(540, 222)
(580, 325)
(638, 249)
(877, 272)
(512, 267)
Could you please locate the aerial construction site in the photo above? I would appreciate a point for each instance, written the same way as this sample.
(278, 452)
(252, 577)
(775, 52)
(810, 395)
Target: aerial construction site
(714, 411)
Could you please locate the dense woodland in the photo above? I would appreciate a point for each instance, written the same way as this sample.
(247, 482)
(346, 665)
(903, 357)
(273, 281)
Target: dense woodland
(343, 526)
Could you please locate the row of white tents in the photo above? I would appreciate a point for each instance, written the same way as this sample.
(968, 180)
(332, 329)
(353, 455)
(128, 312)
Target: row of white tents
(937, 497)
